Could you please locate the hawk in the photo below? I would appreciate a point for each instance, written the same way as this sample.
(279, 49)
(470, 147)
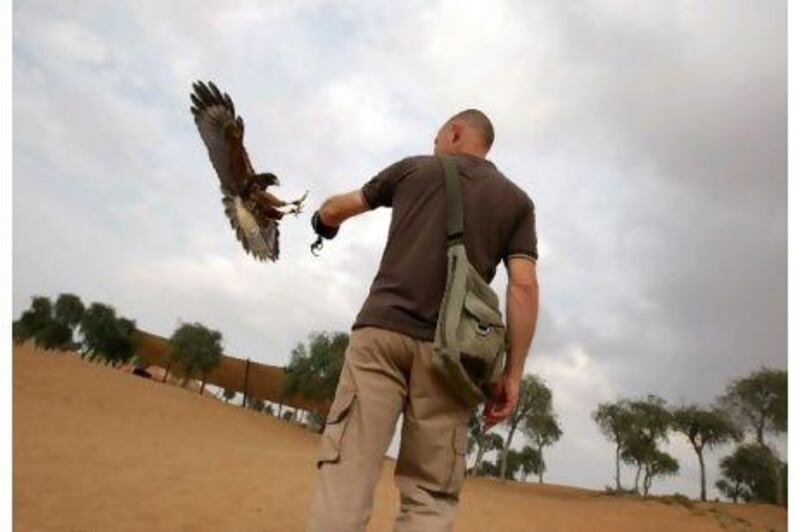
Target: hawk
(253, 212)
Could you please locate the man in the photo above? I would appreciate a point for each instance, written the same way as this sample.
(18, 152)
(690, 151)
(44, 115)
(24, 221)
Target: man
(387, 368)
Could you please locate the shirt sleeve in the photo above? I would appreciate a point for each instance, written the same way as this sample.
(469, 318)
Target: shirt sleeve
(523, 242)
(379, 191)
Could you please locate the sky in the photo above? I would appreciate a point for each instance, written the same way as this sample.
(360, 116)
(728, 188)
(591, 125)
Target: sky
(652, 138)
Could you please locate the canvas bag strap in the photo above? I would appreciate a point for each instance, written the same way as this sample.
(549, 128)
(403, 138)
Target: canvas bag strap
(455, 213)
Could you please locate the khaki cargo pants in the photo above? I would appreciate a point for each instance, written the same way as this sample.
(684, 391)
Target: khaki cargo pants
(386, 373)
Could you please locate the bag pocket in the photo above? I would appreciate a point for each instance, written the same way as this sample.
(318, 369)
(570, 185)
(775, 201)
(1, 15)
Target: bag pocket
(459, 459)
(481, 337)
(335, 423)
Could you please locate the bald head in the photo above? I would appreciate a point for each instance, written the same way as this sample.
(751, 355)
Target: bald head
(478, 121)
(469, 131)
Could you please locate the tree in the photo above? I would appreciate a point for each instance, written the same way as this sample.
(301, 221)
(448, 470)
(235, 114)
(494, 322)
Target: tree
(485, 442)
(197, 348)
(491, 469)
(228, 394)
(107, 336)
(704, 428)
(37, 323)
(748, 474)
(38, 315)
(513, 463)
(761, 401)
(314, 372)
(479, 441)
(649, 423)
(257, 405)
(50, 326)
(531, 462)
(614, 420)
(658, 464)
(53, 335)
(69, 310)
(532, 394)
(541, 427)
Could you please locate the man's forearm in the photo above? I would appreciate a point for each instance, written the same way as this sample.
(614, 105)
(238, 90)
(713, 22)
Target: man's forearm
(336, 209)
(522, 309)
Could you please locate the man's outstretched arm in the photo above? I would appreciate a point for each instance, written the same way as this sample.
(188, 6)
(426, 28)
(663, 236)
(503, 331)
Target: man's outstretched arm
(336, 209)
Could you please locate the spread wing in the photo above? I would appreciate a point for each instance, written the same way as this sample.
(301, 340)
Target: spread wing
(222, 132)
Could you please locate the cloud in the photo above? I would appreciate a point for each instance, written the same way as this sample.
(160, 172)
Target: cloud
(652, 138)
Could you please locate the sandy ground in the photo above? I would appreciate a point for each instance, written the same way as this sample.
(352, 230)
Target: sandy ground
(99, 449)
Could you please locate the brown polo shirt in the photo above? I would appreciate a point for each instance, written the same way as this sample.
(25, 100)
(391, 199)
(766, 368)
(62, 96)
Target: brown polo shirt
(499, 222)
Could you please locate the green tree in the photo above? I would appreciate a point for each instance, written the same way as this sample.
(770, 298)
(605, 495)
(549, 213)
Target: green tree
(257, 405)
(491, 469)
(53, 335)
(33, 320)
(658, 464)
(50, 326)
(228, 394)
(107, 336)
(614, 421)
(748, 474)
(705, 428)
(531, 462)
(197, 348)
(532, 394)
(760, 402)
(650, 422)
(480, 441)
(69, 310)
(313, 372)
(513, 464)
(541, 427)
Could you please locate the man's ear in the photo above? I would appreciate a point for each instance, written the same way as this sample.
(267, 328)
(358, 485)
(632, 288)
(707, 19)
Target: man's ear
(456, 131)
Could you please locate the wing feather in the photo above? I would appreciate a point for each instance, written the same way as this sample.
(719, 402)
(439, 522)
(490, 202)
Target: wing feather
(261, 241)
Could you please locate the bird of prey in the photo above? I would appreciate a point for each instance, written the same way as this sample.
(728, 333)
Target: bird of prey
(253, 212)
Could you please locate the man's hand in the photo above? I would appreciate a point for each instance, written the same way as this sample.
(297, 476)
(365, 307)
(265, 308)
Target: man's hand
(501, 404)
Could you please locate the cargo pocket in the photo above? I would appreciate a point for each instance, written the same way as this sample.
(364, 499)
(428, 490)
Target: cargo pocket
(459, 459)
(335, 423)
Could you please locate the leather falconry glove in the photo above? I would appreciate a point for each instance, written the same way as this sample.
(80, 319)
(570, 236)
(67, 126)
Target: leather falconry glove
(322, 230)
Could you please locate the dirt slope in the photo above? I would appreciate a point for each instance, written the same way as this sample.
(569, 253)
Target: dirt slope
(99, 449)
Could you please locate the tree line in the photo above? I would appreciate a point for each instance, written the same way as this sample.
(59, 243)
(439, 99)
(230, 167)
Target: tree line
(96, 332)
(750, 407)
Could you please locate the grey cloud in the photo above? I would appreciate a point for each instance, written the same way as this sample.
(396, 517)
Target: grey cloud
(652, 138)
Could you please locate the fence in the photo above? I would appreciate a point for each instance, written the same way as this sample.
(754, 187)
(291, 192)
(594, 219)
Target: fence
(253, 379)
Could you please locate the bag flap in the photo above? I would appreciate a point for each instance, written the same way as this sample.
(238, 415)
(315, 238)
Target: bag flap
(481, 310)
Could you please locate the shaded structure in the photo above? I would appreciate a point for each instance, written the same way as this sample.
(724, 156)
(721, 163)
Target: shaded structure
(252, 379)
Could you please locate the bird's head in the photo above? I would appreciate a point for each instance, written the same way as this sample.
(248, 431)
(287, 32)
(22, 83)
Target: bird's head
(266, 180)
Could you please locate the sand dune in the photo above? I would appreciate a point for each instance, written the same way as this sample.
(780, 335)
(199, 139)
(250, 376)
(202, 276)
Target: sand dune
(99, 449)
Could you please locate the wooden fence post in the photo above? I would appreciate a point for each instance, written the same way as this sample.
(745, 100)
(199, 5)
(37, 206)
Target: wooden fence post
(166, 372)
(246, 373)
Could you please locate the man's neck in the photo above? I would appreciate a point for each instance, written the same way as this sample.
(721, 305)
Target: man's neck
(470, 151)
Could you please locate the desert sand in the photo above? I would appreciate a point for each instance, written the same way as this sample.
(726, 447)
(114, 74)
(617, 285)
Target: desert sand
(100, 449)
